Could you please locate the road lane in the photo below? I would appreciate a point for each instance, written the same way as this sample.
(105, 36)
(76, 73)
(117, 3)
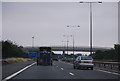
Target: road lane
(62, 70)
(88, 74)
(43, 72)
(9, 69)
(13, 75)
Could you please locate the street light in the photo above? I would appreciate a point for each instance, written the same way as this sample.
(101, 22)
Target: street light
(64, 45)
(90, 22)
(63, 42)
(73, 26)
(33, 42)
(69, 26)
(90, 2)
(67, 36)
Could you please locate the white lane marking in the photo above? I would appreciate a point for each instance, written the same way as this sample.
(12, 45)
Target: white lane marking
(71, 73)
(96, 69)
(69, 63)
(66, 63)
(56, 66)
(9, 77)
(62, 69)
(108, 72)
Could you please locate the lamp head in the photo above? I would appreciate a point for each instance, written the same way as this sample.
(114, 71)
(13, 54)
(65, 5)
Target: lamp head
(78, 25)
(81, 2)
(67, 25)
(99, 2)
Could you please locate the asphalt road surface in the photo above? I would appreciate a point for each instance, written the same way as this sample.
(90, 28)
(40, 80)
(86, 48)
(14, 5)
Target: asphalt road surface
(12, 68)
(62, 70)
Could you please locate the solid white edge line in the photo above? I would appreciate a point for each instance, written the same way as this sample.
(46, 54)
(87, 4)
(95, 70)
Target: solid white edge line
(108, 72)
(71, 73)
(9, 77)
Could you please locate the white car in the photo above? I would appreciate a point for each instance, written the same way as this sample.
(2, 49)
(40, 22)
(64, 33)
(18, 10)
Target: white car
(83, 62)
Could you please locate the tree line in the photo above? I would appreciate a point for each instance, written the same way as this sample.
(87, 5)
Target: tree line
(10, 49)
(112, 54)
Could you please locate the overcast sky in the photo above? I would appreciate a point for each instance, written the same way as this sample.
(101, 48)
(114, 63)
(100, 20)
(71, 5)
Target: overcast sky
(47, 22)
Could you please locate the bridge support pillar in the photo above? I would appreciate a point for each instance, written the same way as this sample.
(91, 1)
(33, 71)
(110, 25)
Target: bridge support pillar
(63, 54)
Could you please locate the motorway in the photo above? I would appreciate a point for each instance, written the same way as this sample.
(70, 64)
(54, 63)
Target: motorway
(9, 69)
(62, 70)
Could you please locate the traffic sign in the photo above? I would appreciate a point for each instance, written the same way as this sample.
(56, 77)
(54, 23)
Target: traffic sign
(32, 54)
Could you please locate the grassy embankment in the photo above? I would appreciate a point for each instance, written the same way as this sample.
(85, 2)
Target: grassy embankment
(15, 60)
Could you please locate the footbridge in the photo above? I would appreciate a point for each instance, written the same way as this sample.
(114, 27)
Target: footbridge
(70, 48)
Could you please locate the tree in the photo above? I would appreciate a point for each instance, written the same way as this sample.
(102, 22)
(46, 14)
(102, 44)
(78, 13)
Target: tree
(112, 54)
(12, 50)
(117, 51)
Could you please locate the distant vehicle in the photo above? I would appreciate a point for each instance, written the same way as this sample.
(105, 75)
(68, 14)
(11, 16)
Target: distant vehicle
(83, 62)
(44, 56)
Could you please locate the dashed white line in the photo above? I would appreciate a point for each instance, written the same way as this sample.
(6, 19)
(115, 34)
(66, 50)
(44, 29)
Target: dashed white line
(11, 76)
(69, 63)
(62, 69)
(56, 66)
(66, 63)
(95, 69)
(71, 73)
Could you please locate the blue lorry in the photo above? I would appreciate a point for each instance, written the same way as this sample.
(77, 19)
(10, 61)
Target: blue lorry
(44, 56)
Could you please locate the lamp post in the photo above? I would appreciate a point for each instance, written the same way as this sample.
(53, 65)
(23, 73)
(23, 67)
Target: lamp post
(73, 34)
(32, 42)
(90, 23)
(63, 43)
(67, 36)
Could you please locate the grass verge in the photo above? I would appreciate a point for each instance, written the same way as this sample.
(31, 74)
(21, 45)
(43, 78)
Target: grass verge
(15, 60)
